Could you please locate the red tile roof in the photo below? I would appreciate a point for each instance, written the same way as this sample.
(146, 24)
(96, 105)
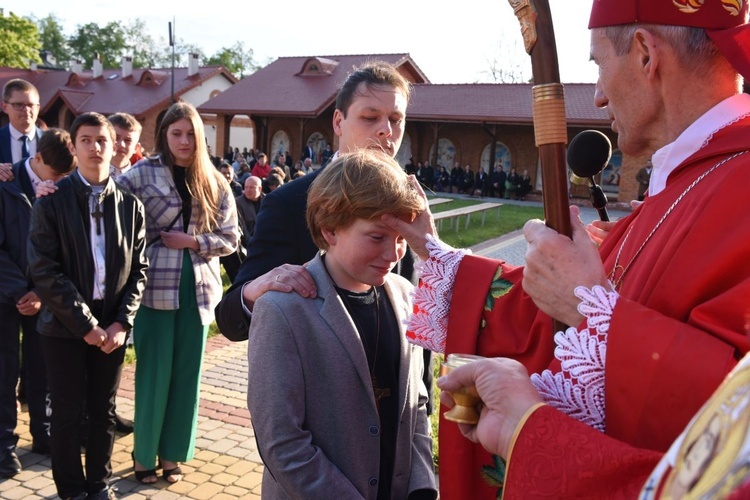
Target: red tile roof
(498, 103)
(279, 89)
(137, 94)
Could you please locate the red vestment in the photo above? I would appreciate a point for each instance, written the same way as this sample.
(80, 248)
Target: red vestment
(679, 326)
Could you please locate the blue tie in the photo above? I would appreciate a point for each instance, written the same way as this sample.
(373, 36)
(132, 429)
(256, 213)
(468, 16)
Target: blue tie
(24, 146)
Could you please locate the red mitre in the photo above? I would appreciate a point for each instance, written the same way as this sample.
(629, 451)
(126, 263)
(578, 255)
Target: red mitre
(724, 21)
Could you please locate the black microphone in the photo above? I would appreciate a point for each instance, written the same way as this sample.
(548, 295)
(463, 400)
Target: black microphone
(588, 153)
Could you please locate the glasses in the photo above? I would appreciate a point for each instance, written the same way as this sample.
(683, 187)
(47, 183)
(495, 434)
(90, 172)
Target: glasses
(20, 106)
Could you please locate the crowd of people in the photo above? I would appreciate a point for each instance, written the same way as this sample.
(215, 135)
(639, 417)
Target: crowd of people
(346, 288)
(497, 184)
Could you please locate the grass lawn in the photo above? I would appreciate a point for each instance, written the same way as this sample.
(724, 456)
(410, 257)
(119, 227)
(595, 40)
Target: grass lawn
(511, 217)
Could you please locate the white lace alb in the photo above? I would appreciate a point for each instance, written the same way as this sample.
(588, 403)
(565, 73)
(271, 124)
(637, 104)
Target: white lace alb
(578, 390)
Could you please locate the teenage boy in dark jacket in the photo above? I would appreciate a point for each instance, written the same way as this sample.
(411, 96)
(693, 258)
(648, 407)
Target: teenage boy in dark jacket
(86, 258)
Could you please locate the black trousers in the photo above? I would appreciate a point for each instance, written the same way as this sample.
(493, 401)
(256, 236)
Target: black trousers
(81, 376)
(11, 323)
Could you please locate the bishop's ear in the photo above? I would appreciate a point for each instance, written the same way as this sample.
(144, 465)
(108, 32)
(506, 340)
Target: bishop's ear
(646, 48)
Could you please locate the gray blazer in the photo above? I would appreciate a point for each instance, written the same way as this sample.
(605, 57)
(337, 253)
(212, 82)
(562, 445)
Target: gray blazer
(310, 398)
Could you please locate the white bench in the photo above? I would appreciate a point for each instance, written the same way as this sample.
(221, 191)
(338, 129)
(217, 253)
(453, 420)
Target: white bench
(467, 211)
(438, 201)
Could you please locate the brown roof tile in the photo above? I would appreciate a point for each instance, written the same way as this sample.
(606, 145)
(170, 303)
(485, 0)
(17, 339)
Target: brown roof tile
(279, 89)
(498, 103)
(111, 93)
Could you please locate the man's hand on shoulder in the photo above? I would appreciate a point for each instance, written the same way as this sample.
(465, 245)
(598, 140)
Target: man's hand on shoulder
(45, 188)
(6, 172)
(285, 278)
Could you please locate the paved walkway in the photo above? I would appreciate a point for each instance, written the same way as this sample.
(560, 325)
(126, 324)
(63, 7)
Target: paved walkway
(227, 464)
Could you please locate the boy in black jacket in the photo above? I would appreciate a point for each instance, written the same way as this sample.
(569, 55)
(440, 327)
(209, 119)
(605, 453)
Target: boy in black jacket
(86, 258)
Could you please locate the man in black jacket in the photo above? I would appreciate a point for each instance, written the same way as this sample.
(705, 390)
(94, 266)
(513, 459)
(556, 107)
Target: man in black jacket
(88, 307)
(19, 302)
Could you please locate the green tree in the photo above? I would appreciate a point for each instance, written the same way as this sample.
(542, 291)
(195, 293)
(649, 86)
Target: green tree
(238, 60)
(182, 49)
(147, 52)
(19, 41)
(110, 42)
(53, 39)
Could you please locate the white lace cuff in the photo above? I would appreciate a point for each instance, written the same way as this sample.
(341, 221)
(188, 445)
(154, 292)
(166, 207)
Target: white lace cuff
(428, 326)
(578, 390)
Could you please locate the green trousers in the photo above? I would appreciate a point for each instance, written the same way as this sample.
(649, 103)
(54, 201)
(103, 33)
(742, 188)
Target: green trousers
(169, 348)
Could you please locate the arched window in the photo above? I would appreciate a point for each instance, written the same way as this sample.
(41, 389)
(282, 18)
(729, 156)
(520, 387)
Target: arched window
(502, 153)
(446, 154)
(279, 145)
(318, 143)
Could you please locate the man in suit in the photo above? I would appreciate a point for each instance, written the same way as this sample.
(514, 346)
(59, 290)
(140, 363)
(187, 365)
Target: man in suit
(19, 139)
(248, 206)
(307, 152)
(643, 177)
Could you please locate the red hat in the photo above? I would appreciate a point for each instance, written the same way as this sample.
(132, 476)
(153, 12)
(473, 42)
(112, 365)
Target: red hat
(724, 21)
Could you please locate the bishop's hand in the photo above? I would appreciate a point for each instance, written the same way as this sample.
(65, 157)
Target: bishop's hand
(556, 265)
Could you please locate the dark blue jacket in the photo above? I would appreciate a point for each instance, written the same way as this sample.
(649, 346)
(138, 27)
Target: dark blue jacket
(15, 213)
(5, 154)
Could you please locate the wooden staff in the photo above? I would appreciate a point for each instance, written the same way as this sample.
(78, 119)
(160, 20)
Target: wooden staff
(550, 126)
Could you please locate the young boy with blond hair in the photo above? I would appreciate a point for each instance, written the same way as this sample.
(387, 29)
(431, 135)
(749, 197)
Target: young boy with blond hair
(127, 135)
(334, 389)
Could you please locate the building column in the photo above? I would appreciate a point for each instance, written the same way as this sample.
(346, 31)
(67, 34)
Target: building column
(222, 133)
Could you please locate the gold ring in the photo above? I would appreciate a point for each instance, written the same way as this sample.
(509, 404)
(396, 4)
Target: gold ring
(277, 278)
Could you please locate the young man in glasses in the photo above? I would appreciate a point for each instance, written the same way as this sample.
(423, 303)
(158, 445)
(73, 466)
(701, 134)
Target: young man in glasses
(19, 139)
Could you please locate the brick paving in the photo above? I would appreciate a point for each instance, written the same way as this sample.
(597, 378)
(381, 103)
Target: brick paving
(227, 464)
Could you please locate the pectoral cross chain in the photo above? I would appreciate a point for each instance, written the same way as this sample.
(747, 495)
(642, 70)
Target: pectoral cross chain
(98, 214)
(379, 393)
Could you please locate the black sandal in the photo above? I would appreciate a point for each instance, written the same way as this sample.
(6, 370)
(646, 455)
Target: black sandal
(142, 475)
(168, 473)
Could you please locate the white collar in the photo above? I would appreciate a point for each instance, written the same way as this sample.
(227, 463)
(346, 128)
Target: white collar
(35, 179)
(16, 134)
(694, 138)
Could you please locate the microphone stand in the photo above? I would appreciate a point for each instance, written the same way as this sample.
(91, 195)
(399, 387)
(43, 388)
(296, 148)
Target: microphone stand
(598, 199)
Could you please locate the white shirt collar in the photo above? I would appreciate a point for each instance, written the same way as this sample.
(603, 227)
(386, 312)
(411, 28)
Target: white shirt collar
(16, 135)
(35, 179)
(695, 137)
